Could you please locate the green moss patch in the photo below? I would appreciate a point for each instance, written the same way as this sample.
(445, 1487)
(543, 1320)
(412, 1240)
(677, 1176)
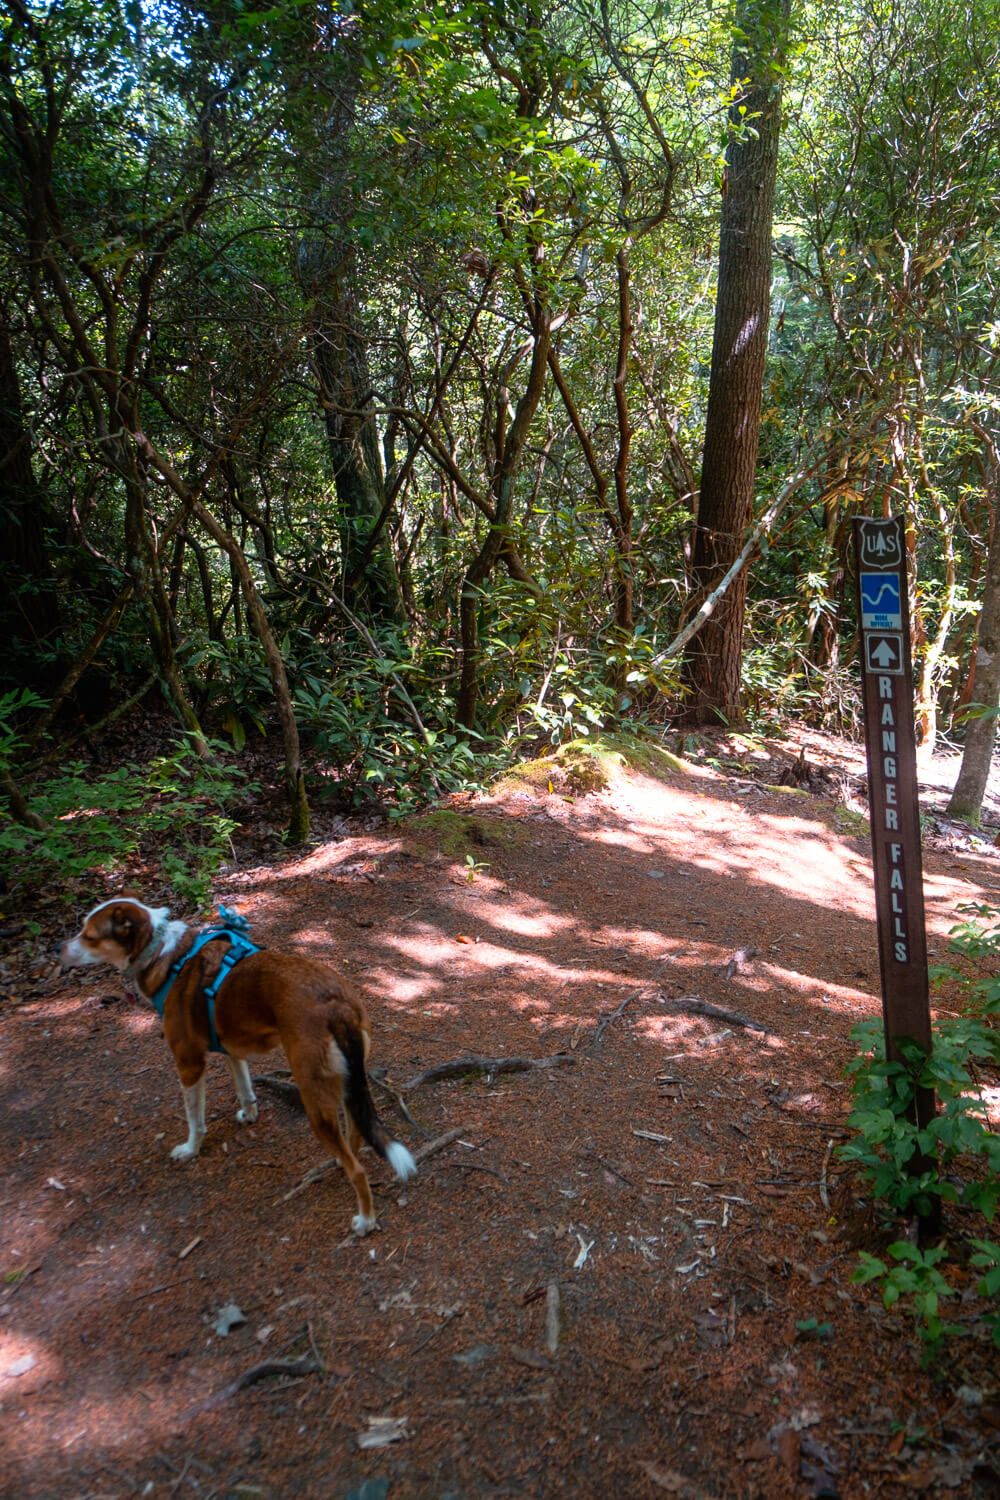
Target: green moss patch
(582, 766)
(456, 834)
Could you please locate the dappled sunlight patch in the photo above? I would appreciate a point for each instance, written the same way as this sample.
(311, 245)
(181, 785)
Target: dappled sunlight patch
(25, 1364)
(102, 1417)
(330, 858)
(542, 922)
(623, 839)
(670, 1030)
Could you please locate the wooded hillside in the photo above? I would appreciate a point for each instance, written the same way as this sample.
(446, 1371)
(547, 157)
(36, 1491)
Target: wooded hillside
(402, 381)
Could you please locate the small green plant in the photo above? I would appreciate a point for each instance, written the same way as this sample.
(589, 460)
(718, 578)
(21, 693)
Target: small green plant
(812, 1328)
(955, 1157)
(176, 807)
(474, 867)
(986, 1258)
(915, 1275)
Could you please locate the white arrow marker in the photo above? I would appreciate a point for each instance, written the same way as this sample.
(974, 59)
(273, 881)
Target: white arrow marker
(884, 655)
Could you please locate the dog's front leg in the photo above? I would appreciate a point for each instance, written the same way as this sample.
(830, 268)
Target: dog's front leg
(194, 1108)
(243, 1084)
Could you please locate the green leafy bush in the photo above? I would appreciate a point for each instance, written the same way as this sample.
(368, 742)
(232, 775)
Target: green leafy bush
(176, 808)
(955, 1158)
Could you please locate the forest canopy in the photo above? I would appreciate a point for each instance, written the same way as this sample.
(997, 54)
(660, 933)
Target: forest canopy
(404, 381)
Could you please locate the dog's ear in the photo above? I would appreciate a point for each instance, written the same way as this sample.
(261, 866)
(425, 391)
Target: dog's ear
(122, 924)
(131, 895)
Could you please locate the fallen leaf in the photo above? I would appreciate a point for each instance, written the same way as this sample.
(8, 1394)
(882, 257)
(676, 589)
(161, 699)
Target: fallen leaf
(475, 1355)
(585, 1249)
(666, 1479)
(228, 1318)
(789, 1447)
(461, 938)
(528, 1357)
(369, 1489)
(382, 1431)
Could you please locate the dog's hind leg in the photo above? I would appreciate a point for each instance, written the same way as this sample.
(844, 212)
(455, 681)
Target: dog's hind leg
(327, 1128)
(194, 1109)
(243, 1084)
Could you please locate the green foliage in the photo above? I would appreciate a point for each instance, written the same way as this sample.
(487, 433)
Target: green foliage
(955, 1159)
(915, 1276)
(812, 1328)
(174, 809)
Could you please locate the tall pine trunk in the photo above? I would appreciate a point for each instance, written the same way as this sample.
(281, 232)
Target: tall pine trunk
(29, 603)
(980, 734)
(713, 660)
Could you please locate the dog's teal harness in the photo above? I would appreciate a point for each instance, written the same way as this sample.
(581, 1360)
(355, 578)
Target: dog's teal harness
(234, 930)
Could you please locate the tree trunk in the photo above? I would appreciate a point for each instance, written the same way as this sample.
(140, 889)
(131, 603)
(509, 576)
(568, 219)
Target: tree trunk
(371, 584)
(510, 452)
(970, 788)
(714, 657)
(295, 784)
(29, 603)
(147, 578)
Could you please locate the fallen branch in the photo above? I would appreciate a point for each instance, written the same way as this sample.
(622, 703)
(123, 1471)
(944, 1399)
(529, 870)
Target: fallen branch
(437, 1144)
(268, 1369)
(741, 957)
(491, 1066)
(475, 1166)
(612, 1015)
(313, 1175)
(691, 1005)
(380, 1078)
(284, 1088)
(552, 1317)
(824, 1196)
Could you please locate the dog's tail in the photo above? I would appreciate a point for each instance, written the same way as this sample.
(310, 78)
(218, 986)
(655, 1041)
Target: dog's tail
(361, 1105)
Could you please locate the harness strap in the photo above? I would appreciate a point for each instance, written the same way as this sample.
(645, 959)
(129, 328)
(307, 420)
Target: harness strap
(240, 947)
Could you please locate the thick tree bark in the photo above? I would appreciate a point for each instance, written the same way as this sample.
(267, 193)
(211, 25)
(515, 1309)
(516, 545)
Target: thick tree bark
(713, 661)
(980, 735)
(29, 604)
(510, 453)
(295, 783)
(370, 577)
(146, 573)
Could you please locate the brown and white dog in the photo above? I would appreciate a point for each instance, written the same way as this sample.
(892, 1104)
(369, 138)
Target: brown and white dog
(267, 1000)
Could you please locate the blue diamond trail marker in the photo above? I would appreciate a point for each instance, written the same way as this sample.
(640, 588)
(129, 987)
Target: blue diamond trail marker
(890, 741)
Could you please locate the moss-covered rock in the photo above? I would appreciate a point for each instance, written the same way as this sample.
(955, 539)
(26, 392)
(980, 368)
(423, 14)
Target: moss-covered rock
(457, 834)
(582, 766)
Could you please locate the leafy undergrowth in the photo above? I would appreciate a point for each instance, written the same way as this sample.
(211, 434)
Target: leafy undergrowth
(623, 1273)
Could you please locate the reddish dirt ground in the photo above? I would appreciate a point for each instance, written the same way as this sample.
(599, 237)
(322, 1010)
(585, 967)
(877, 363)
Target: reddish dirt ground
(594, 1288)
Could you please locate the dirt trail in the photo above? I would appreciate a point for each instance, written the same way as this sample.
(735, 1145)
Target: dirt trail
(595, 1288)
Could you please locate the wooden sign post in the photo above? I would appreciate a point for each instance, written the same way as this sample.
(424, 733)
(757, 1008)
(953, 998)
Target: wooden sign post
(887, 676)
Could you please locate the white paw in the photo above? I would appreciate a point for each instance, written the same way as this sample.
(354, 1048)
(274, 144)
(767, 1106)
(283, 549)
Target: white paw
(185, 1151)
(248, 1114)
(361, 1224)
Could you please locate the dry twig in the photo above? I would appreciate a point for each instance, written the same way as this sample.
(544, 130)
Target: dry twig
(266, 1370)
(552, 1317)
(741, 957)
(491, 1066)
(283, 1087)
(692, 1005)
(612, 1015)
(824, 1196)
